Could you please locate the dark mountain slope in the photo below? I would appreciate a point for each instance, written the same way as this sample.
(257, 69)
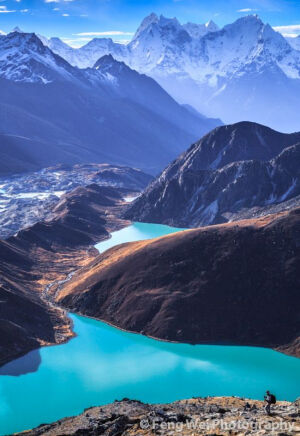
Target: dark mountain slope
(26, 322)
(229, 284)
(84, 127)
(142, 89)
(232, 169)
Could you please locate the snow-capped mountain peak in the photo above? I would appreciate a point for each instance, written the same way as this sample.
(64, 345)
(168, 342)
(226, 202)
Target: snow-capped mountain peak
(215, 70)
(17, 29)
(198, 30)
(147, 21)
(243, 42)
(228, 72)
(87, 55)
(164, 21)
(159, 42)
(211, 26)
(106, 62)
(61, 48)
(156, 35)
(57, 42)
(24, 58)
(160, 28)
(111, 71)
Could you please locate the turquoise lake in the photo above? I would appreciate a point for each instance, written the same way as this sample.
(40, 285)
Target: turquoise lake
(136, 232)
(102, 364)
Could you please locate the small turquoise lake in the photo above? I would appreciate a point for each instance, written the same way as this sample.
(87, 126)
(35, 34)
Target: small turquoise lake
(136, 232)
(102, 364)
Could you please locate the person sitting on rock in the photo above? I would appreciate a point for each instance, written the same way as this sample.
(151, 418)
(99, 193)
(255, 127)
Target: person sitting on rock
(270, 399)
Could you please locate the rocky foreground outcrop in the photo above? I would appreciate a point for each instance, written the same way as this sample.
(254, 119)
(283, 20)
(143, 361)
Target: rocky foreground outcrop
(45, 253)
(197, 416)
(235, 283)
(235, 171)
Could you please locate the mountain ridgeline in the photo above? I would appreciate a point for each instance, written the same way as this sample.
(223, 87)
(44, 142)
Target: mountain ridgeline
(52, 112)
(244, 168)
(244, 71)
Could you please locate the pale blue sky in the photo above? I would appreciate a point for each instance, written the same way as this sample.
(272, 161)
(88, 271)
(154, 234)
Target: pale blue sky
(120, 18)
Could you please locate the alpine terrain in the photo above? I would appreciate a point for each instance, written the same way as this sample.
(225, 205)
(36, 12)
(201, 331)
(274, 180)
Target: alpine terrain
(52, 112)
(244, 71)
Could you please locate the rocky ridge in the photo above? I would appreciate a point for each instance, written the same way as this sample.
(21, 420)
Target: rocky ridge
(237, 171)
(197, 416)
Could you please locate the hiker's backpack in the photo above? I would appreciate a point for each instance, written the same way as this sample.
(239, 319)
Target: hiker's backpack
(273, 399)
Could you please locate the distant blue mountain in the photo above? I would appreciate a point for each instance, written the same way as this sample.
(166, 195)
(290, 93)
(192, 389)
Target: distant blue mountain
(244, 71)
(52, 112)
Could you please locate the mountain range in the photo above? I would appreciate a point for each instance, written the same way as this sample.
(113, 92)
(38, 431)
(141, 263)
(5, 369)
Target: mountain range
(52, 112)
(233, 73)
(88, 54)
(232, 170)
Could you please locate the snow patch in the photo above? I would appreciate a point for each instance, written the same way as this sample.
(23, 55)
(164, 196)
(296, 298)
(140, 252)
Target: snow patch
(210, 212)
(289, 190)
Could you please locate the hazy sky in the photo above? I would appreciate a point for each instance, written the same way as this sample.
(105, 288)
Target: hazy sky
(69, 19)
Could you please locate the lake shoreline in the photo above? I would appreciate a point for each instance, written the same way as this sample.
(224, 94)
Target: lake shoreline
(171, 341)
(67, 331)
(103, 363)
(139, 258)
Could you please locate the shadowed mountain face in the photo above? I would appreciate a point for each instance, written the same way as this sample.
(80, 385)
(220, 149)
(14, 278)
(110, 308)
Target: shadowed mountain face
(228, 172)
(53, 113)
(228, 284)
